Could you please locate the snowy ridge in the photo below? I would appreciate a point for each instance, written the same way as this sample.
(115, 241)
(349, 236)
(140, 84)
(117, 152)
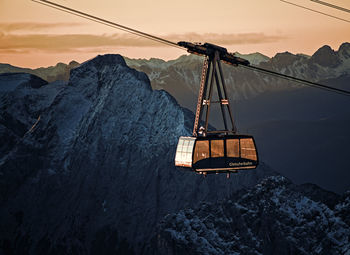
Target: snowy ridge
(271, 218)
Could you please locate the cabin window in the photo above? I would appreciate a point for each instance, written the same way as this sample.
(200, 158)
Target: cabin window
(217, 148)
(232, 148)
(184, 149)
(248, 150)
(201, 150)
(184, 152)
(178, 156)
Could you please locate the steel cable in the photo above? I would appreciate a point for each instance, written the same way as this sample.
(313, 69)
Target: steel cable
(331, 5)
(323, 13)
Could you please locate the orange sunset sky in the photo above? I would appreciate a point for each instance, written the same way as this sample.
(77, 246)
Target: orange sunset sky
(32, 35)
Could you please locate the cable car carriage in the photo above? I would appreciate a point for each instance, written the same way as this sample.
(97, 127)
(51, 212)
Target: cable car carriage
(214, 151)
(213, 154)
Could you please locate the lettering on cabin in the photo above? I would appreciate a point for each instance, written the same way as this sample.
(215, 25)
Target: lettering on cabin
(240, 163)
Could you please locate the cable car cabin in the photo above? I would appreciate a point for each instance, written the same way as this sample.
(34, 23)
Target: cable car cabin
(214, 154)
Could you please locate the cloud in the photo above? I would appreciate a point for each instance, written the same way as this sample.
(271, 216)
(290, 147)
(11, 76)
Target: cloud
(55, 43)
(33, 26)
(77, 42)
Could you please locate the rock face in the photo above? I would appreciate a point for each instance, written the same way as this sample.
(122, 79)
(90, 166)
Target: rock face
(23, 97)
(274, 217)
(326, 57)
(90, 170)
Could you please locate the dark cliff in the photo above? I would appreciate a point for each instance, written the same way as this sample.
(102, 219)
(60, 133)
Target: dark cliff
(91, 169)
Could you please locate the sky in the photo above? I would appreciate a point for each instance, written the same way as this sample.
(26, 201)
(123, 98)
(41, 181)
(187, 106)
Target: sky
(33, 35)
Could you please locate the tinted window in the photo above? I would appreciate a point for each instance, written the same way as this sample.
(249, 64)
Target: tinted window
(201, 151)
(217, 148)
(248, 150)
(232, 148)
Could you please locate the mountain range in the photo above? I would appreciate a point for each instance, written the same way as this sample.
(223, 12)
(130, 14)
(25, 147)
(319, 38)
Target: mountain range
(60, 71)
(181, 77)
(275, 111)
(87, 166)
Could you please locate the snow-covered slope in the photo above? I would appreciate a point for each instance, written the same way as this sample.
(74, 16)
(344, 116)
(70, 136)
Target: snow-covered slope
(92, 170)
(274, 217)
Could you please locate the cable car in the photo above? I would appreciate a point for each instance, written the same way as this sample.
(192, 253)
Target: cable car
(214, 154)
(214, 151)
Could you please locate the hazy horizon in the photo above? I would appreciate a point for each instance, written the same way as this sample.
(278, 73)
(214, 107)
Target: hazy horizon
(33, 35)
(149, 58)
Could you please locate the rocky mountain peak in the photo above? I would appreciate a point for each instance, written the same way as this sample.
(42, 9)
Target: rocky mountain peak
(344, 50)
(61, 65)
(326, 57)
(284, 59)
(73, 64)
(104, 72)
(105, 60)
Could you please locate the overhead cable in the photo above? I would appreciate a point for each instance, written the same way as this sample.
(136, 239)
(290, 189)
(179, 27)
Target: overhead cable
(331, 5)
(323, 13)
